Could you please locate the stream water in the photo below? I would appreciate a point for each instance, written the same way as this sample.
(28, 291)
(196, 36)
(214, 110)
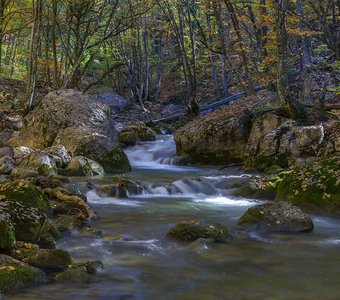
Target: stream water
(143, 264)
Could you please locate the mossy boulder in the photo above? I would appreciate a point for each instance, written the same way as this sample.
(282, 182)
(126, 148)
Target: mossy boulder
(25, 192)
(49, 260)
(80, 273)
(191, 231)
(276, 217)
(313, 185)
(128, 138)
(40, 162)
(23, 205)
(7, 235)
(16, 275)
(83, 166)
(143, 133)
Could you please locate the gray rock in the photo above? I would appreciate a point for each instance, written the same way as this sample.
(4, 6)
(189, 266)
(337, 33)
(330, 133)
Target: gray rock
(40, 162)
(6, 151)
(276, 217)
(20, 154)
(6, 165)
(60, 155)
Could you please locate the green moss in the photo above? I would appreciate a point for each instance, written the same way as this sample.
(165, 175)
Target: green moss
(262, 163)
(7, 235)
(26, 193)
(45, 170)
(314, 183)
(14, 276)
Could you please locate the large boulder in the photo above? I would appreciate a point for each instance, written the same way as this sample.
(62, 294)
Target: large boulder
(282, 143)
(212, 141)
(84, 126)
(25, 207)
(276, 217)
(16, 275)
(191, 231)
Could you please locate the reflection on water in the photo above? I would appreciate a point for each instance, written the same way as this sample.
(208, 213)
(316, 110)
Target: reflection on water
(141, 263)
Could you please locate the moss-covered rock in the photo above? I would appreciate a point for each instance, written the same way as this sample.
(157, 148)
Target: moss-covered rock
(23, 205)
(83, 166)
(69, 222)
(80, 273)
(7, 235)
(49, 260)
(115, 161)
(16, 275)
(128, 138)
(191, 231)
(143, 132)
(314, 184)
(276, 217)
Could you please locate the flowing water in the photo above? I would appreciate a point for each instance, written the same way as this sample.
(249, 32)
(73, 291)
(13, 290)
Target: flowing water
(141, 263)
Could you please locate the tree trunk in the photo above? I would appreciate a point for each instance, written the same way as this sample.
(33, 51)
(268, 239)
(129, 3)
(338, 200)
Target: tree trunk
(281, 72)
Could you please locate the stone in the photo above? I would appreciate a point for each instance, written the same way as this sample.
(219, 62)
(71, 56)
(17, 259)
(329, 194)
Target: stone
(59, 154)
(69, 222)
(49, 260)
(6, 165)
(191, 231)
(83, 166)
(15, 275)
(24, 206)
(144, 133)
(276, 217)
(7, 235)
(83, 126)
(40, 162)
(6, 151)
(81, 273)
(128, 138)
(85, 141)
(20, 154)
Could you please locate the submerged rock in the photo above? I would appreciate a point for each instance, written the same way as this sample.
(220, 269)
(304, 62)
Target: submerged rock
(276, 217)
(191, 231)
(49, 260)
(80, 273)
(16, 275)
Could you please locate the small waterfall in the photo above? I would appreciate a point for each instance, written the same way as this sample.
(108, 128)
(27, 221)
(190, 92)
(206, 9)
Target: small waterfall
(153, 154)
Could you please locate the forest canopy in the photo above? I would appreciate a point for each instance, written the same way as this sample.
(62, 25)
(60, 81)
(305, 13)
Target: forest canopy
(137, 47)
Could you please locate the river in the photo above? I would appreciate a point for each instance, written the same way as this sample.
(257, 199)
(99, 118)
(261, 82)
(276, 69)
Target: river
(141, 263)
